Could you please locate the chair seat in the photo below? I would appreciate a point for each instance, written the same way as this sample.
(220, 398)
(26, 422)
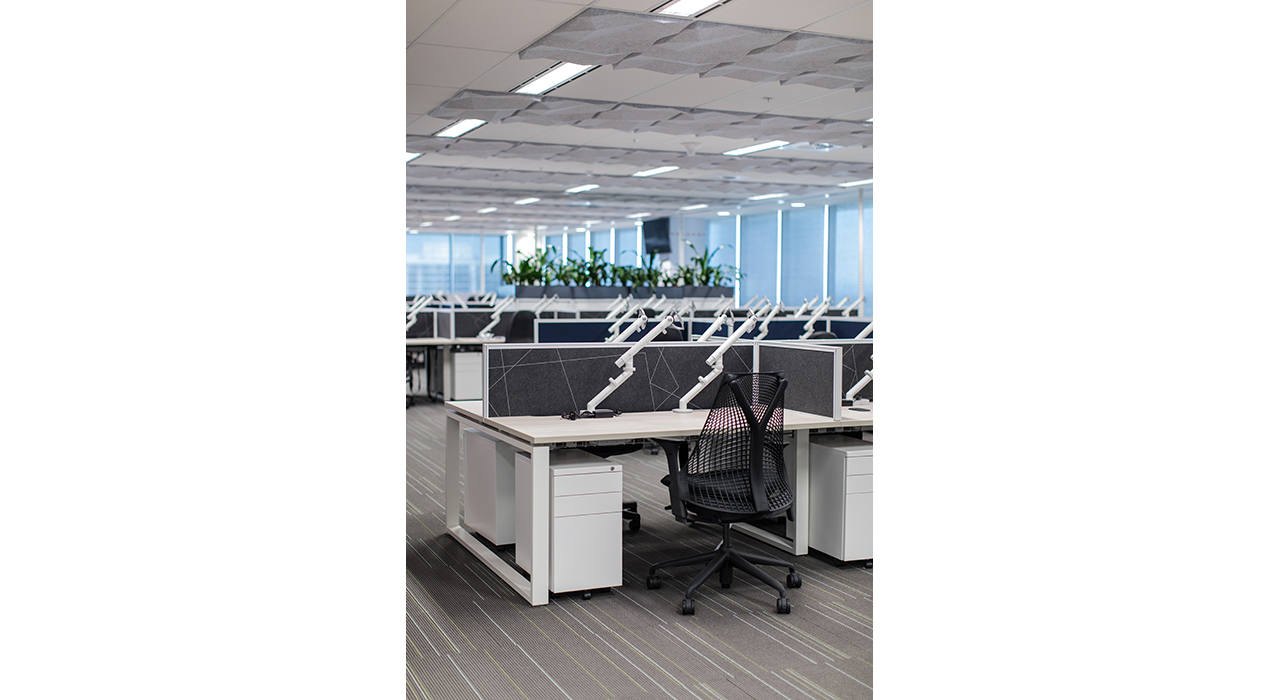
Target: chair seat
(727, 491)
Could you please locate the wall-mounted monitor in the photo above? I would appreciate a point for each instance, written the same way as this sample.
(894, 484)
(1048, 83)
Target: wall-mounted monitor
(657, 235)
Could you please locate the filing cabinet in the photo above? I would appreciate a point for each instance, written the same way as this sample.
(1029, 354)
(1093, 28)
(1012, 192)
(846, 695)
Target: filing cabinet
(840, 501)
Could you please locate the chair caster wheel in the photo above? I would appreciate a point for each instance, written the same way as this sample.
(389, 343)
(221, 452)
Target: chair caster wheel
(634, 525)
(784, 606)
(586, 595)
(686, 606)
(653, 582)
(793, 580)
(726, 577)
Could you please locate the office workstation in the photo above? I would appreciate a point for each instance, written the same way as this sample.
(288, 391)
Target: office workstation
(639, 315)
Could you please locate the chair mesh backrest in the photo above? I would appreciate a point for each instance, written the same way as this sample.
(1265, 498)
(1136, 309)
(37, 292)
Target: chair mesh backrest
(737, 463)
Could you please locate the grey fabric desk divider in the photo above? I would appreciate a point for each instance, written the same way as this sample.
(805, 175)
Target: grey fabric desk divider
(812, 372)
(849, 327)
(467, 324)
(855, 358)
(573, 330)
(548, 379)
(424, 325)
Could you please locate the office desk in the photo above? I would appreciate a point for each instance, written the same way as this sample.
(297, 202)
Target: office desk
(538, 434)
(445, 348)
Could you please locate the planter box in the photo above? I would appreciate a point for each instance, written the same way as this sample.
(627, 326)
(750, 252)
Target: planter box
(602, 292)
(701, 292)
(530, 291)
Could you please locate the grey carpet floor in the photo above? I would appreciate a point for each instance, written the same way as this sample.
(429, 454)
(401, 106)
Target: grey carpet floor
(469, 635)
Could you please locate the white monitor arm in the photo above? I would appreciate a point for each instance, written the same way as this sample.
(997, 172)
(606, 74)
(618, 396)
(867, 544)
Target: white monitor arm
(613, 329)
(716, 360)
(625, 333)
(544, 303)
(858, 386)
(764, 327)
(618, 306)
(855, 306)
(627, 363)
(862, 335)
(803, 308)
(496, 316)
(817, 314)
(715, 326)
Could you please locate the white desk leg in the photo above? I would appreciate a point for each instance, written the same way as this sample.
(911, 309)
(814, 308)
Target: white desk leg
(446, 369)
(540, 511)
(452, 472)
(801, 506)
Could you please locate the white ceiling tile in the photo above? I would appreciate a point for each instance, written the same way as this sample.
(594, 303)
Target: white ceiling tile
(608, 83)
(425, 126)
(421, 99)
(447, 66)
(419, 14)
(497, 25)
(780, 98)
(775, 14)
(691, 90)
(855, 23)
(632, 5)
(510, 73)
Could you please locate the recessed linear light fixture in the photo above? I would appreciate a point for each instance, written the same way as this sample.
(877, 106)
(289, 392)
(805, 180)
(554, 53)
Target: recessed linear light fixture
(460, 127)
(691, 207)
(687, 8)
(410, 156)
(487, 210)
(797, 204)
(640, 215)
(756, 148)
(656, 171)
(527, 200)
(589, 223)
(552, 78)
(771, 195)
(855, 183)
(413, 230)
(425, 223)
(455, 217)
(581, 188)
(723, 213)
(580, 229)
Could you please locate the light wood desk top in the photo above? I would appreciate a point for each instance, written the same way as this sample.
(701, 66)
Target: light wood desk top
(420, 342)
(545, 430)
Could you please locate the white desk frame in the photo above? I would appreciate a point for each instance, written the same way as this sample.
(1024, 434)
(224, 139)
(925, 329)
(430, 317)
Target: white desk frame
(530, 434)
(446, 346)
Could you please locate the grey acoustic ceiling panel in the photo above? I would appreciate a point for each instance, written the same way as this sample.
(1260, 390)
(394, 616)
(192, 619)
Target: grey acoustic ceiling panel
(678, 46)
(604, 37)
(489, 106)
(629, 117)
(604, 155)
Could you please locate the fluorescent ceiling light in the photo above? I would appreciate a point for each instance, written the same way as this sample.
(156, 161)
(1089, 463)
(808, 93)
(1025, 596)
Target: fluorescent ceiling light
(486, 210)
(410, 156)
(588, 223)
(460, 127)
(797, 204)
(580, 188)
(425, 223)
(691, 207)
(455, 217)
(723, 213)
(758, 147)
(413, 230)
(528, 200)
(686, 8)
(869, 119)
(549, 80)
(771, 195)
(855, 183)
(656, 171)
(580, 230)
(638, 216)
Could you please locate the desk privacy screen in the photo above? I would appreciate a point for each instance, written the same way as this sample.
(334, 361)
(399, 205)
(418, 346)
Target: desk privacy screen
(550, 379)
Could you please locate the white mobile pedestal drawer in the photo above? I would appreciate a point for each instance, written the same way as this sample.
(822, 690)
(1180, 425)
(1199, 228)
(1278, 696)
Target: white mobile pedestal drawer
(840, 496)
(489, 501)
(586, 520)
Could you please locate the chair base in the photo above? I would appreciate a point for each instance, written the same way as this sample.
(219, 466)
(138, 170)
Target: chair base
(724, 559)
(631, 515)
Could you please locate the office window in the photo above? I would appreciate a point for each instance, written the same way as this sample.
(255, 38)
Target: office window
(722, 233)
(867, 286)
(760, 256)
(495, 248)
(577, 243)
(626, 242)
(602, 240)
(468, 263)
(842, 252)
(427, 263)
(802, 255)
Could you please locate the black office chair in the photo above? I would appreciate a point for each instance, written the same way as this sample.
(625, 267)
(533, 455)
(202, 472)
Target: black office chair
(736, 473)
(823, 335)
(521, 330)
(669, 334)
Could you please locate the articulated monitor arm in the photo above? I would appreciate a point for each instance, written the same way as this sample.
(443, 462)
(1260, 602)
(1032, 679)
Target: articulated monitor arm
(627, 363)
(496, 316)
(716, 360)
(817, 314)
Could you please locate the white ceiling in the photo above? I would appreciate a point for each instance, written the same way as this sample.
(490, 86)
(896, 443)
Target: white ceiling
(457, 45)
